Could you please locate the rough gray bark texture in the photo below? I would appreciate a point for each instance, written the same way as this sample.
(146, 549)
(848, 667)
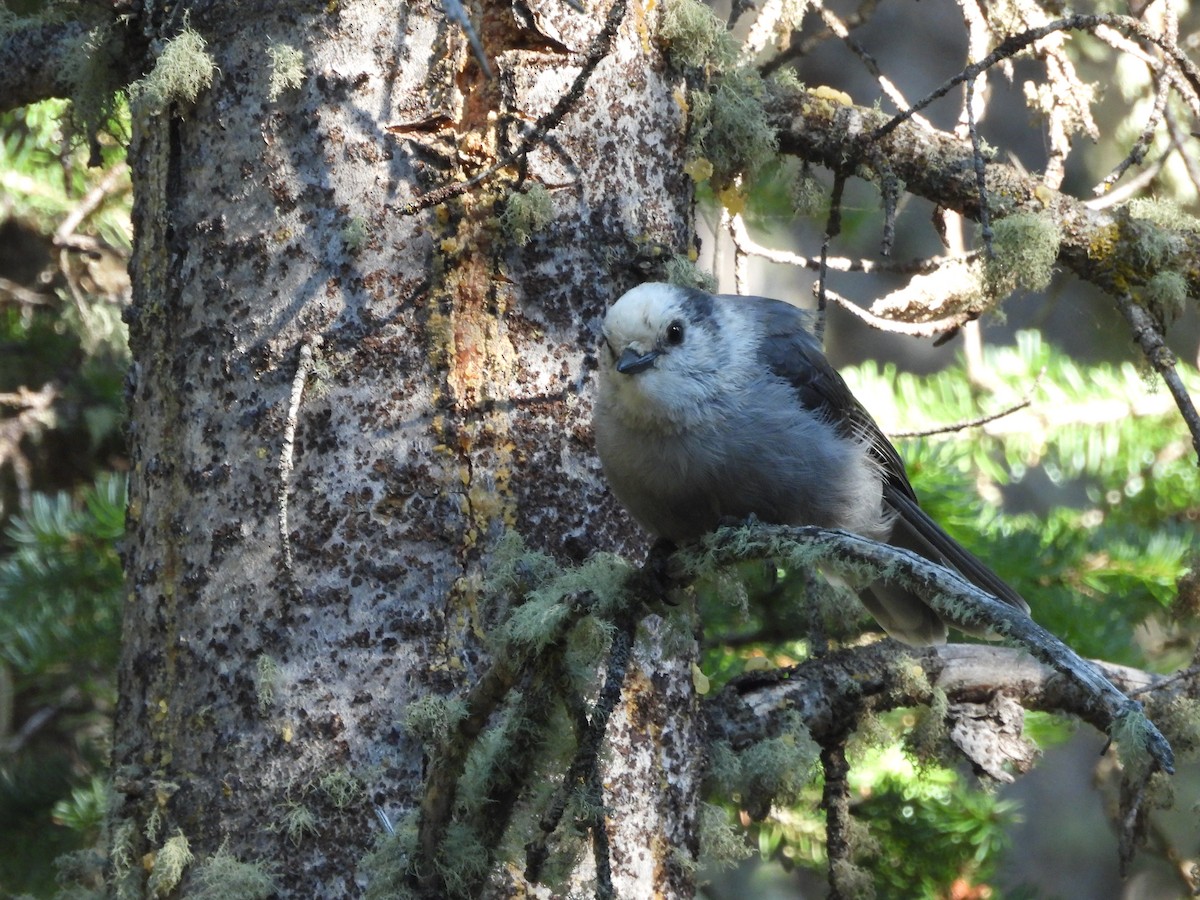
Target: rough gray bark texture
(448, 400)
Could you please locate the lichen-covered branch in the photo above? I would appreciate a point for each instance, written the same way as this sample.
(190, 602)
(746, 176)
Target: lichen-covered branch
(1098, 700)
(1101, 247)
(867, 679)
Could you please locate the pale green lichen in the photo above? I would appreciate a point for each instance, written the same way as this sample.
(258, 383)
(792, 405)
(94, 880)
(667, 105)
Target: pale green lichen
(1151, 245)
(587, 646)
(95, 90)
(1131, 732)
(540, 620)
(387, 866)
(123, 871)
(492, 745)
(927, 740)
(724, 771)
(297, 822)
(181, 72)
(526, 213)
(169, 863)
(775, 770)
(772, 770)
(222, 876)
(287, 69)
(1164, 213)
(1165, 295)
(515, 569)
(1179, 720)
(695, 36)
(684, 272)
(1024, 251)
(153, 823)
(266, 677)
(722, 843)
(463, 861)
(432, 719)
(341, 787)
(731, 129)
(850, 881)
(809, 197)
(355, 234)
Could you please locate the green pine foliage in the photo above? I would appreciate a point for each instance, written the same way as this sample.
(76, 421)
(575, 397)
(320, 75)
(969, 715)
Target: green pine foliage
(60, 587)
(60, 609)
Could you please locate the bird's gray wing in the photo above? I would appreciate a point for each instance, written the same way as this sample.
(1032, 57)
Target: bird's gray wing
(794, 354)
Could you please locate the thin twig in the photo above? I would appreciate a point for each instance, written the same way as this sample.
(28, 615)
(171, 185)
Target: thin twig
(835, 800)
(89, 203)
(584, 770)
(746, 244)
(980, 165)
(833, 227)
(1181, 675)
(1130, 188)
(1150, 339)
(22, 294)
(1178, 135)
(799, 48)
(981, 420)
(1142, 145)
(1014, 44)
(589, 756)
(889, 89)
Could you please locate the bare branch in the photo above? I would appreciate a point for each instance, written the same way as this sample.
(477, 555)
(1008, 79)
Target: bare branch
(1016, 43)
(935, 165)
(747, 245)
(1150, 339)
(980, 420)
(1140, 146)
(304, 368)
(934, 328)
(741, 713)
(89, 203)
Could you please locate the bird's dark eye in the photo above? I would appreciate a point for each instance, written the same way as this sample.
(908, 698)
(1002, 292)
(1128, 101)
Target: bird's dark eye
(675, 333)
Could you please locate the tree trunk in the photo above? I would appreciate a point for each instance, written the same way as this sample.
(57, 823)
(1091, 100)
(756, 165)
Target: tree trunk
(344, 395)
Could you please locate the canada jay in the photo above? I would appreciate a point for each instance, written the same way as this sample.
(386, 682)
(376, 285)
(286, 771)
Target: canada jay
(718, 407)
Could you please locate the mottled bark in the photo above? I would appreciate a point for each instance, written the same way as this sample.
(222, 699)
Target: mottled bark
(267, 675)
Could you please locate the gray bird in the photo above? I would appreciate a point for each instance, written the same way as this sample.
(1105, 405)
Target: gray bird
(713, 408)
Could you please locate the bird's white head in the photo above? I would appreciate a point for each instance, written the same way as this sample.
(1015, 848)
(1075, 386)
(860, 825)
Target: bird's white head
(665, 356)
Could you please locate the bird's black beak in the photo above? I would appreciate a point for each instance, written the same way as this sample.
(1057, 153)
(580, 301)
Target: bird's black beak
(631, 362)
